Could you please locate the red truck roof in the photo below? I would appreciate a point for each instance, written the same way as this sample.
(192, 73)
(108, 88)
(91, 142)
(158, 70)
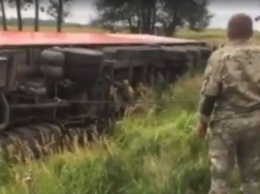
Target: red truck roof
(11, 38)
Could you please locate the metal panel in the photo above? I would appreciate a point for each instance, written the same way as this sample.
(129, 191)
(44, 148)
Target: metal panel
(54, 38)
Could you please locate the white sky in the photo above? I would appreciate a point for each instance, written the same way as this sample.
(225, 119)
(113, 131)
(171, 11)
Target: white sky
(223, 11)
(80, 12)
(83, 12)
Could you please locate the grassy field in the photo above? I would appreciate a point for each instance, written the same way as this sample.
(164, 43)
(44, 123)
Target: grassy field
(149, 154)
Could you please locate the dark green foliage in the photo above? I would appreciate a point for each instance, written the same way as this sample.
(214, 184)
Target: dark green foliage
(142, 16)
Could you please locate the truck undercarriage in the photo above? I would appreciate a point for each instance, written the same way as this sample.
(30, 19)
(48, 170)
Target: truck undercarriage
(52, 92)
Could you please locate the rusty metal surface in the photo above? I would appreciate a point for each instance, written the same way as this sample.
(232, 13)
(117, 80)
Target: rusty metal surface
(54, 38)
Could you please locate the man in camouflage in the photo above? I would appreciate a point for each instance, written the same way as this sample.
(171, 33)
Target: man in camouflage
(232, 87)
(122, 94)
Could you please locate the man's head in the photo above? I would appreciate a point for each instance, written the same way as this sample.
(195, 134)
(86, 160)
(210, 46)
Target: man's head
(240, 27)
(125, 83)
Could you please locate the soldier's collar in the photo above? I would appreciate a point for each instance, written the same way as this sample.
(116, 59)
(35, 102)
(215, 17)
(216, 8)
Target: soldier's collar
(238, 42)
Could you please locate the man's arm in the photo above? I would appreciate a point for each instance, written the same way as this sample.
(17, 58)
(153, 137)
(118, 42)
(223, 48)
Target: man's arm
(206, 108)
(113, 82)
(211, 87)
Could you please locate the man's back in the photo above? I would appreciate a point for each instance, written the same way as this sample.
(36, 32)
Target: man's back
(240, 79)
(232, 86)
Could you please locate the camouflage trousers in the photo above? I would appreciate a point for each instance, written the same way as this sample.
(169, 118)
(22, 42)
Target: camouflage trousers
(235, 141)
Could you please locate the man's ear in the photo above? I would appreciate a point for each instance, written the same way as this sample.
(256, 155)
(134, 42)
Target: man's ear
(229, 33)
(251, 33)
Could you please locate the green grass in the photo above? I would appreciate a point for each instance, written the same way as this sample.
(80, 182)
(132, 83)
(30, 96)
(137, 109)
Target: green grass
(211, 35)
(152, 153)
(155, 153)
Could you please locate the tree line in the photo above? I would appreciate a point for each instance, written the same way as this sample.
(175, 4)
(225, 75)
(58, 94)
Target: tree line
(143, 16)
(54, 8)
(137, 16)
(29, 22)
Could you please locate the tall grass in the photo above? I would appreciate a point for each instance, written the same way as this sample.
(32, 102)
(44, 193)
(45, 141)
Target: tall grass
(152, 153)
(155, 153)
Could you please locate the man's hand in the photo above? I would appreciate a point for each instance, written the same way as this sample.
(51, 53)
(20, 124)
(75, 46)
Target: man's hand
(201, 129)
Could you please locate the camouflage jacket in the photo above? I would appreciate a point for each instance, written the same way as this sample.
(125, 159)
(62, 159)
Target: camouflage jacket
(233, 74)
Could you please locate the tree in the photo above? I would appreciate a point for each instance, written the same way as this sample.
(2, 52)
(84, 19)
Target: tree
(36, 18)
(142, 15)
(19, 5)
(3, 15)
(57, 10)
(199, 16)
(257, 18)
(171, 14)
(19, 14)
(138, 15)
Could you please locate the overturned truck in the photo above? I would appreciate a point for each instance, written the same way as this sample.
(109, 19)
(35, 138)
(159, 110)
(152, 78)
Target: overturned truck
(58, 85)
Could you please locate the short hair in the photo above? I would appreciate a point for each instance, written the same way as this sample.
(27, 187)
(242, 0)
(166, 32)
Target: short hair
(240, 26)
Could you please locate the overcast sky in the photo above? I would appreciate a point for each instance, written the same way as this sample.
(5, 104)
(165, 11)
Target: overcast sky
(83, 11)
